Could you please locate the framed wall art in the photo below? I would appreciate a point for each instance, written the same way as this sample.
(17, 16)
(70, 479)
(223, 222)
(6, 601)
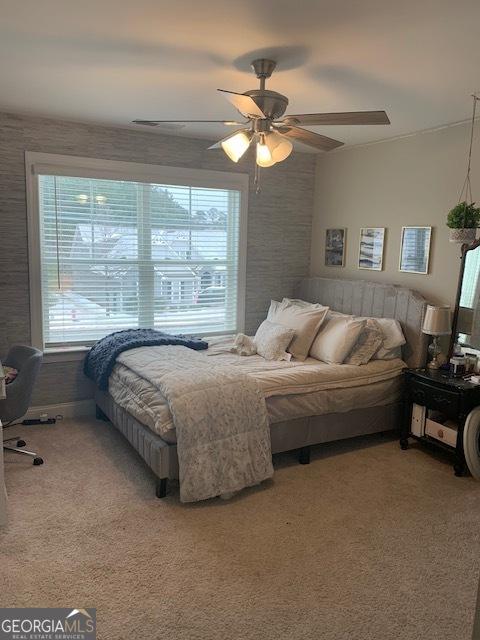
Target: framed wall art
(415, 249)
(335, 247)
(370, 251)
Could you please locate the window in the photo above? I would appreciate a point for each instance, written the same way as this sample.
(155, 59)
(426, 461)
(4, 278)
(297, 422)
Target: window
(120, 245)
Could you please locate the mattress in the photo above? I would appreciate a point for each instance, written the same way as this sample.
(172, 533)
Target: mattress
(292, 389)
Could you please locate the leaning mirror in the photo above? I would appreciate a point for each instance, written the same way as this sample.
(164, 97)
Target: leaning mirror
(466, 320)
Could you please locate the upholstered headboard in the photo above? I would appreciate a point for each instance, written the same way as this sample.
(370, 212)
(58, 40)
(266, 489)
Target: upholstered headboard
(363, 298)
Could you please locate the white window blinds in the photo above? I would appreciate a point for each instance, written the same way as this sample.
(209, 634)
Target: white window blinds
(119, 254)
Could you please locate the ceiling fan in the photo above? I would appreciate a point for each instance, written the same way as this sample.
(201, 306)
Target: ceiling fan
(264, 125)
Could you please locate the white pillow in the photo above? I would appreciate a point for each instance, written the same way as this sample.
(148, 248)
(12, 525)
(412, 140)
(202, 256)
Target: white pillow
(272, 340)
(302, 303)
(393, 338)
(304, 320)
(337, 338)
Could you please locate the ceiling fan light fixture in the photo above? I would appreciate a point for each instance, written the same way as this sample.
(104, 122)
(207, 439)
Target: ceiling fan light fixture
(235, 146)
(264, 157)
(279, 146)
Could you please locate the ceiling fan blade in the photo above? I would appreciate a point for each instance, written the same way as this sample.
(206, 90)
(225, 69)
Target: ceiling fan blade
(322, 143)
(245, 104)
(346, 117)
(154, 123)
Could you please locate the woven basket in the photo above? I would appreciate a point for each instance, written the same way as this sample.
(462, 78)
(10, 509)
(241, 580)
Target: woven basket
(463, 236)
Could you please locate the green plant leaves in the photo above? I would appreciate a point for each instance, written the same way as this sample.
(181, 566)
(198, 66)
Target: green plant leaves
(464, 216)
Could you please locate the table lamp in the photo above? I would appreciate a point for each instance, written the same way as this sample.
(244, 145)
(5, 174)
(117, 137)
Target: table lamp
(437, 322)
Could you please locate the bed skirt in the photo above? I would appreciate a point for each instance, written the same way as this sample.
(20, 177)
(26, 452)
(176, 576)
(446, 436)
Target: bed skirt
(161, 456)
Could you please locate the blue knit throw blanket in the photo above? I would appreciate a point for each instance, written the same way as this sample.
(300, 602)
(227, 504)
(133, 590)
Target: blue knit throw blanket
(101, 358)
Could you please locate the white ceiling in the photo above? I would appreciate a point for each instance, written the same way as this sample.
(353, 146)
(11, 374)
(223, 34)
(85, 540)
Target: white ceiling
(110, 61)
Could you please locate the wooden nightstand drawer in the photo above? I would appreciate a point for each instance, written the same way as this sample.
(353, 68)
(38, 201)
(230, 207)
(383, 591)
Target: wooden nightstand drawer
(436, 398)
(442, 432)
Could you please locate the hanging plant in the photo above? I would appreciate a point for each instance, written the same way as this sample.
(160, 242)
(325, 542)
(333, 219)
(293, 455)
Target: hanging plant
(464, 219)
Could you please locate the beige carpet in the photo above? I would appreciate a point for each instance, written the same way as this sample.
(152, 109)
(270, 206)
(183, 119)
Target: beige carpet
(367, 542)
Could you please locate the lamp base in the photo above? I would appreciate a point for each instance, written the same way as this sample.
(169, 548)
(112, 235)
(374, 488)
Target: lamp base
(437, 356)
(434, 364)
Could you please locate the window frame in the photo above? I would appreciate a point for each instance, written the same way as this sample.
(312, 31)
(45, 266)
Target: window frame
(37, 163)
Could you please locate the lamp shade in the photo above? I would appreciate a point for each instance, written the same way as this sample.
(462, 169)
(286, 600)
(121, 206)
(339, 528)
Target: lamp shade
(279, 146)
(236, 145)
(264, 157)
(437, 321)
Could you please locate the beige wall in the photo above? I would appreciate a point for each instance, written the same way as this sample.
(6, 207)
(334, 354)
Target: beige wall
(279, 222)
(409, 181)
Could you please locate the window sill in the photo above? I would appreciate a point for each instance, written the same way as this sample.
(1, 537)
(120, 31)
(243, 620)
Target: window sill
(64, 354)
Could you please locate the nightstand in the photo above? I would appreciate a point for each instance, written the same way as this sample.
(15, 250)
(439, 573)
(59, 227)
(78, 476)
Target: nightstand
(436, 407)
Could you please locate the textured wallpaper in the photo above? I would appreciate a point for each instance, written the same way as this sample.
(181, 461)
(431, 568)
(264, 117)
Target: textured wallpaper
(279, 221)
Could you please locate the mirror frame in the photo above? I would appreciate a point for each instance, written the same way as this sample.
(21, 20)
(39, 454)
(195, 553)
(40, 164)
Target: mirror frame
(465, 249)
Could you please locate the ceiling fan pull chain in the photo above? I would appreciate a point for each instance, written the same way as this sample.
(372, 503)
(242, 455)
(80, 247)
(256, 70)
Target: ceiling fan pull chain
(256, 179)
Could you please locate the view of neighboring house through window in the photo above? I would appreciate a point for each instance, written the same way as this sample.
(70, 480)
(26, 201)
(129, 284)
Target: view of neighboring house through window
(118, 254)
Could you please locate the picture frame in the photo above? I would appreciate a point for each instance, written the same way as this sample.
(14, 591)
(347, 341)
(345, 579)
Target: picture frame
(371, 248)
(415, 249)
(335, 247)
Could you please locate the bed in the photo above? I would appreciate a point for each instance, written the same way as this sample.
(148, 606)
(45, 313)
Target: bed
(308, 402)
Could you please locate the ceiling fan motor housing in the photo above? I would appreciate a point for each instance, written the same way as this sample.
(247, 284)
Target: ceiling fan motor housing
(272, 104)
(263, 67)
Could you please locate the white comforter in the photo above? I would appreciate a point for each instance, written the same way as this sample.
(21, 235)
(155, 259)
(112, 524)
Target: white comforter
(223, 437)
(291, 389)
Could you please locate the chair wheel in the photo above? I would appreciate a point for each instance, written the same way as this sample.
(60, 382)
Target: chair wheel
(37, 461)
(21, 443)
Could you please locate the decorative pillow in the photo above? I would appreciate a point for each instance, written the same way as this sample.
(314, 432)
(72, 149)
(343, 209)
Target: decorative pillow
(337, 338)
(272, 340)
(368, 343)
(304, 320)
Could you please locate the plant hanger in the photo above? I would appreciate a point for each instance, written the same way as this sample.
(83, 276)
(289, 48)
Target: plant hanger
(464, 218)
(467, 185)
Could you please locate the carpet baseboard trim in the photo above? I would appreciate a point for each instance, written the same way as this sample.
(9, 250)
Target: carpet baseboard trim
(74, 409)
